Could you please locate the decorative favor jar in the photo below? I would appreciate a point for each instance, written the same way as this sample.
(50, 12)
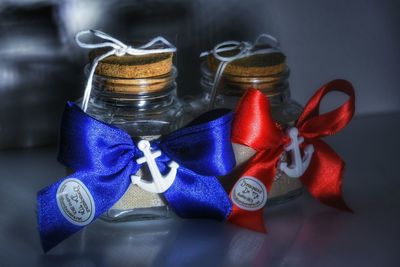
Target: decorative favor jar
(267, 72)
(136, 93)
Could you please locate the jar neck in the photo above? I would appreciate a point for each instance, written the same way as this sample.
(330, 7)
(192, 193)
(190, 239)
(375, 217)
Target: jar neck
(137, 94)
(143, 101)
(275, 87)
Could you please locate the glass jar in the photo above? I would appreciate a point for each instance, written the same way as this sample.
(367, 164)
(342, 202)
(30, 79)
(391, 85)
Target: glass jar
(140, 99)
(268, 73)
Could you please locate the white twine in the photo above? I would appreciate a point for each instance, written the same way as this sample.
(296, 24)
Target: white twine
(245, 49)
(118, 49)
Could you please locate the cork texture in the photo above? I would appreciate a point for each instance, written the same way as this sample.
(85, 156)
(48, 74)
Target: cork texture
(255, 65)
(137, 85)
(132, 66)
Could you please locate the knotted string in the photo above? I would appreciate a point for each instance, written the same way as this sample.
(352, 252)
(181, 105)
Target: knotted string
(118, 49)
(245, 49)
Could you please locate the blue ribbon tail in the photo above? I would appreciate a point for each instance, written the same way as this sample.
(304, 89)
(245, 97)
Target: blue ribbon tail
(73, 202)
(197, 196)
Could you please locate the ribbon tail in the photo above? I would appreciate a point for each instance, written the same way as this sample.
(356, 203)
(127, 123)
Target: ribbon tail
(52, 228)
(197, 196)
(73, 202)
(262, 168)
(324, 176)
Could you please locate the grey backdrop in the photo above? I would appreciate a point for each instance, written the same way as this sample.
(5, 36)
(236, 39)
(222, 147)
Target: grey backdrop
(41, 67)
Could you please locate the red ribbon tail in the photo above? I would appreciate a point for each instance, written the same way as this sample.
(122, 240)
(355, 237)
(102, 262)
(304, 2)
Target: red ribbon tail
(249, 194)
(253, 220)
(324, 176)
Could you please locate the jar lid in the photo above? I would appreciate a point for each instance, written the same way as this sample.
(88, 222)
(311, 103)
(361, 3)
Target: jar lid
(132, 66)
(254, 65)
(135, 85)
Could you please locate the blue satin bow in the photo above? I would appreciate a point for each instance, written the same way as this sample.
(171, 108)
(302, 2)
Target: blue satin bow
(104, 158)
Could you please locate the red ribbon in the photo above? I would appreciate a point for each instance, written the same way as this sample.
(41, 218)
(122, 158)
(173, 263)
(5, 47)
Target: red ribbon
(253, 127)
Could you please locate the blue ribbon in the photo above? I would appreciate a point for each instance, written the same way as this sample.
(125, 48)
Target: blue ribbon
(104, 157)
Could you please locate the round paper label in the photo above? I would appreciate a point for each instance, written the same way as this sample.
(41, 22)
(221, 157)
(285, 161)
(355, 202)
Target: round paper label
(249, 193)
(75, 202)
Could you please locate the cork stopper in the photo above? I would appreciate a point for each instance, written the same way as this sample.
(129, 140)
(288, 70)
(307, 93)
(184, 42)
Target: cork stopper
(255, 65)
(134, 74)
(132, 66)
(267, 72)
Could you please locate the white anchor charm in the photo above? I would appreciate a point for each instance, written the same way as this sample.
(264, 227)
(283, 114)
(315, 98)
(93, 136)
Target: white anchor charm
(160, 183)
(299, 165)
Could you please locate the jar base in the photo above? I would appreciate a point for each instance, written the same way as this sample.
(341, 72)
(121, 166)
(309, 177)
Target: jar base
(291, 195)
(137, 214)
(161, 213)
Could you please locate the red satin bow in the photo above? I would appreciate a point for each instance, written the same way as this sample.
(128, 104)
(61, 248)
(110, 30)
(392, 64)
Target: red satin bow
(254, 127)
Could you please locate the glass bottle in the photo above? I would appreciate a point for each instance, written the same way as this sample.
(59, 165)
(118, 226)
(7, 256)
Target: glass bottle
(268, 73)
(138, 95)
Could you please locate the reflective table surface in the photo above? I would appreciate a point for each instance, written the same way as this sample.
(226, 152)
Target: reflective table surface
(302, 232)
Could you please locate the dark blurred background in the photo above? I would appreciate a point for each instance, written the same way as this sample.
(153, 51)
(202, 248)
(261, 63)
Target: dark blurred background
(41, 67)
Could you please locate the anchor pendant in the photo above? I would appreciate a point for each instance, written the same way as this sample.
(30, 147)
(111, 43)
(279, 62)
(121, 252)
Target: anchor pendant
(160, 183)
(299, 165)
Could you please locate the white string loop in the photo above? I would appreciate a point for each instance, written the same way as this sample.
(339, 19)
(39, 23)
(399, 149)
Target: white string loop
(244, 49)
(119, 49)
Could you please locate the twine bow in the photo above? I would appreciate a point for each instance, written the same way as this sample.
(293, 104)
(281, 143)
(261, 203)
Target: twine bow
(118, 49)
(244, 48)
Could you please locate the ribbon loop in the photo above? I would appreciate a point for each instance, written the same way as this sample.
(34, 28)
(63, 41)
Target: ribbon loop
(202, 145)
(114, 43)
(242, 48)
(260, 131)
(312, 124)
(114, 148)
(268, 39)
